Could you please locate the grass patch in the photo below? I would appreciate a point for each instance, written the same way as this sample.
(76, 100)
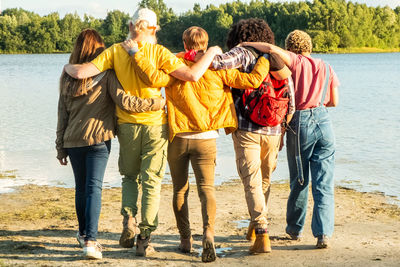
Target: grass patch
(47, 204)
(32, 203)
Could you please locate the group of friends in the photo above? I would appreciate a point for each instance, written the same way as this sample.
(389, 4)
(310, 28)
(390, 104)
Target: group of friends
(117, 92)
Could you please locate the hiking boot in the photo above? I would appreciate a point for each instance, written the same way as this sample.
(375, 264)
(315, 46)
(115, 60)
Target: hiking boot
(322, 241)
(143, 247)
(209, 253)
(251, 235)
(262, 244)
(127, 239)
(80, 239)
(186, 244)
(92, 250)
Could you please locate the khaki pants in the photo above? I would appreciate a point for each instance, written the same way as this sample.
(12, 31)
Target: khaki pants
(202, 155)
(142, 162)
(256, 157)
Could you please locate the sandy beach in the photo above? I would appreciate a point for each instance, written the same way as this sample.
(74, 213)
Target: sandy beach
(38, 226)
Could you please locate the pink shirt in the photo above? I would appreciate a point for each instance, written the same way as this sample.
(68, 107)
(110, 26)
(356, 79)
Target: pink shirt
(309, 77)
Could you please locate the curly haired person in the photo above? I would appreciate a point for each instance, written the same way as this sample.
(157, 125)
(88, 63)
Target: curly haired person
(311, 147)
(256, 147)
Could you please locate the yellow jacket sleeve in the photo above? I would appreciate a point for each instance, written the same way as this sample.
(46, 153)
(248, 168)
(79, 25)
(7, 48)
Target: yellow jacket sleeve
(240, 80)
(148, 73)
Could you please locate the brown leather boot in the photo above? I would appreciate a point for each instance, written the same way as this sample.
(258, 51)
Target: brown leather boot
(186, 244)
(144, 247)
(127, 239)
(251, 235)
(262, 244)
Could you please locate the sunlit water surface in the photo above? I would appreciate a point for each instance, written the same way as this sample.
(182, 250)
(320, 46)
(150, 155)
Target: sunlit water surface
(367, 125)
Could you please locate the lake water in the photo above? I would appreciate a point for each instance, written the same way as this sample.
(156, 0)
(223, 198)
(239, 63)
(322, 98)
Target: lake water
(366, 123)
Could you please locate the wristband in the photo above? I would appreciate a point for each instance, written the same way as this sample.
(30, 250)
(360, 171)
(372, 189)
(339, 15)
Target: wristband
(133, 51)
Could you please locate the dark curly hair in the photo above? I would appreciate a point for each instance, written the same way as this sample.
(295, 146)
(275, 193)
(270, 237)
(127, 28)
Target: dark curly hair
(250, 30)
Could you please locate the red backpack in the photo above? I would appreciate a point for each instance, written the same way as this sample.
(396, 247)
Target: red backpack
(268, 104)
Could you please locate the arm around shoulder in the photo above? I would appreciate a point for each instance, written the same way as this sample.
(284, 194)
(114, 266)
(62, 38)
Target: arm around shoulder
(130, 103)
(196, 71)
(81, 71)
(241, 80)
(148, 73)
(270, 48)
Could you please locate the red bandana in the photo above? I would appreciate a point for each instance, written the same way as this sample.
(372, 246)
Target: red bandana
(190, 55)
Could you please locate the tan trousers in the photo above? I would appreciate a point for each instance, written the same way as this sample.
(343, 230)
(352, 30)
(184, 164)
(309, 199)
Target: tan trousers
(202, 155)
(256, 157)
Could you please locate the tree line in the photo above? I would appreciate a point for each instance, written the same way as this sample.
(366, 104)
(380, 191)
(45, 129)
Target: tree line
(333, 24)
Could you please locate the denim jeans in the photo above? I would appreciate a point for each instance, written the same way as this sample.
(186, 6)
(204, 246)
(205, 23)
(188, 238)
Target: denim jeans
(89, 164)
(316, 150)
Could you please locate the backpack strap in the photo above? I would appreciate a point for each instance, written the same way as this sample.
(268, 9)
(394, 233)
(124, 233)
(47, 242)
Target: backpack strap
(326, 85)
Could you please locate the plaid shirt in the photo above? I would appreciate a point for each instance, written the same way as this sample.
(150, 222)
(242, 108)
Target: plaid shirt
(242, 59)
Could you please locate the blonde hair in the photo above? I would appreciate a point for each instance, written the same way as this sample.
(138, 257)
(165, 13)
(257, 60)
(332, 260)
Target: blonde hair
(195, 38)
(298, 42)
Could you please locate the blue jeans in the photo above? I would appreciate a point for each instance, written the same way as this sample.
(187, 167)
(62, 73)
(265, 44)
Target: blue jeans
(316, 150)
(89, 164)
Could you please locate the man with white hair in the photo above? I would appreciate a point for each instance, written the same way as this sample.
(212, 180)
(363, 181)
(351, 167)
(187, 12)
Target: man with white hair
(142, 136)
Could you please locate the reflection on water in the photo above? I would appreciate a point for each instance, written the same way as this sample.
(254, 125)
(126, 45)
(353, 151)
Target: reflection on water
(242, 224)
(221, 252)
(367, 125)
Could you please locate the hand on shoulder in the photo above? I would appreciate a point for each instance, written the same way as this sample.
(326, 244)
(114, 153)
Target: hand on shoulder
(130, 46)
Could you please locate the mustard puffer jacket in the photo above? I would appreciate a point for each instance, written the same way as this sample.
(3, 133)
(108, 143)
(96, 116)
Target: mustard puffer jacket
(204, 105)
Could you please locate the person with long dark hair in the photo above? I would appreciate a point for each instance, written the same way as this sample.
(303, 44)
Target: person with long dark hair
(86, 125)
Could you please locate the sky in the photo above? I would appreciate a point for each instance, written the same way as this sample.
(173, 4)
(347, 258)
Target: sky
(99, 8)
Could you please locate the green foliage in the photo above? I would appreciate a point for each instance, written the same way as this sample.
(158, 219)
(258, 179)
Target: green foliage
(324, 41)
(114, 28)
(333, 24)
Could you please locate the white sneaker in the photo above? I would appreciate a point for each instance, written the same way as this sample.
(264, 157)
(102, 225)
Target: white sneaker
(92, 250)
(80, 239)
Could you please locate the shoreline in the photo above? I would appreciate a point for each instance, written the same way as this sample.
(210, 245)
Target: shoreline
(391, 199)
(353, 50)
(360, 50)
(38, 225)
